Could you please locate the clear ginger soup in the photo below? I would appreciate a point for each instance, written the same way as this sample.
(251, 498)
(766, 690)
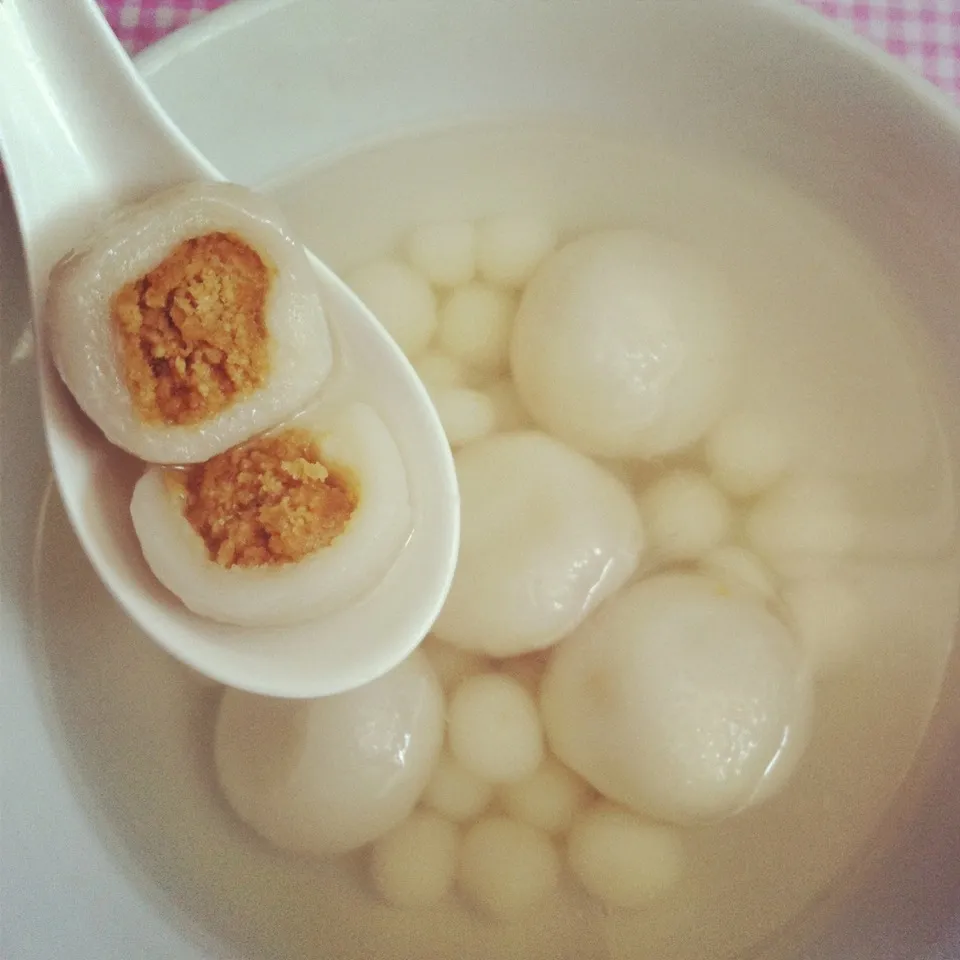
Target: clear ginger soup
(682, 680)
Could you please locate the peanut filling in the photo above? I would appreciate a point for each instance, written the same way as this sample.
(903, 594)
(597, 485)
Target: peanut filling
(192, 332)
(267, 502)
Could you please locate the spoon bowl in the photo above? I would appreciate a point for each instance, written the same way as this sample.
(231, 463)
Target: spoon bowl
(80, 135)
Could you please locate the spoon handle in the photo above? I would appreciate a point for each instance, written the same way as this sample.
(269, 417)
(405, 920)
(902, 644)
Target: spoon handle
(79, 130)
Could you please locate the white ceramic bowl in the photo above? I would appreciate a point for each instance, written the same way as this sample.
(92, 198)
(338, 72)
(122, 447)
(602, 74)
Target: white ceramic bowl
(265, 87)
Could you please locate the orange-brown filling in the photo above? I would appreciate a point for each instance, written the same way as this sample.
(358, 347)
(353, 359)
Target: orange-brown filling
(192, 332)
(267, 502)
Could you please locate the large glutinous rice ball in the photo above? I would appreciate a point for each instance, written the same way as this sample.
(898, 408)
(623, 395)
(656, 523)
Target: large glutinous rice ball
(679, 700)
(283, 528)
(546, 535)
(624, 345)
(188, 323)
(329, 775)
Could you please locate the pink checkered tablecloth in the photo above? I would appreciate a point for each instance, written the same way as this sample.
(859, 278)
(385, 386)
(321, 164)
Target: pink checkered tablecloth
(924, 33)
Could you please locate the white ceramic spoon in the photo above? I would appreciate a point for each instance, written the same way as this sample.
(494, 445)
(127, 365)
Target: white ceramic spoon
(80, 133)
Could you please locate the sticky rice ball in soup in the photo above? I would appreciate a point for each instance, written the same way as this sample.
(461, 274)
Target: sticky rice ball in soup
(329, 775)
(189, 323)
(624, 345)
(679, 700)
(286, 527)
(546, 535)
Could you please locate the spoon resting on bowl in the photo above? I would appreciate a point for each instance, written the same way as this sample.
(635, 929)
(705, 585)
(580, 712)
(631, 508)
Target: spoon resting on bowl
(80, 137)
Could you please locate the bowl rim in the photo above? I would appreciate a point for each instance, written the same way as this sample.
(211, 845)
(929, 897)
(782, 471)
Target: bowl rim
(235, 13)
(851, 50)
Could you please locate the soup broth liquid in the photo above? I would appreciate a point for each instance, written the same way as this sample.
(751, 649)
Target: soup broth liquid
(831, 353)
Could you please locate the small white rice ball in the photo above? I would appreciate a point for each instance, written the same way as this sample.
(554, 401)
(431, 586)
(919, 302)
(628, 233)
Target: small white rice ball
(546, 535)
(455, 792)
(445, 253)
(506, 867)
(475, 325)
(511, 247)
(802, 523)
(493, 728)
(675, 698)
(549, 799)
(437, 369)
(330, 775)
(685, 515)
(466, 415)
(401, 299)
(507, 406)
(621, 859)
(740, 571)
(624, 345)
(451, 664)
(415, 864)
(828, 616)
(746, 454)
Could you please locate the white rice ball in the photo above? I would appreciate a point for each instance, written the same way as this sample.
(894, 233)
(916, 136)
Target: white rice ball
(416, 863)
(352, 441)
(746, 454)
(401, 299)
(828, 616)
(803, 523)
(466, 415)
(624, 345)
(740, 571)
(206, 385)
(455, 792)
(445, 253)
(453, 664)
(438, 370)
(493, 728)
(623, 860)
(511, 247)
(674, 699)
(475, 325)
(685, 515)
(330, 775)
(546, 535)
(509, 410)
(507, 868)
(548, 799)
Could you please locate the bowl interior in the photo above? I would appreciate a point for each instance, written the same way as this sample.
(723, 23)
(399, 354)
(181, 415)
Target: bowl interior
(291, 83)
